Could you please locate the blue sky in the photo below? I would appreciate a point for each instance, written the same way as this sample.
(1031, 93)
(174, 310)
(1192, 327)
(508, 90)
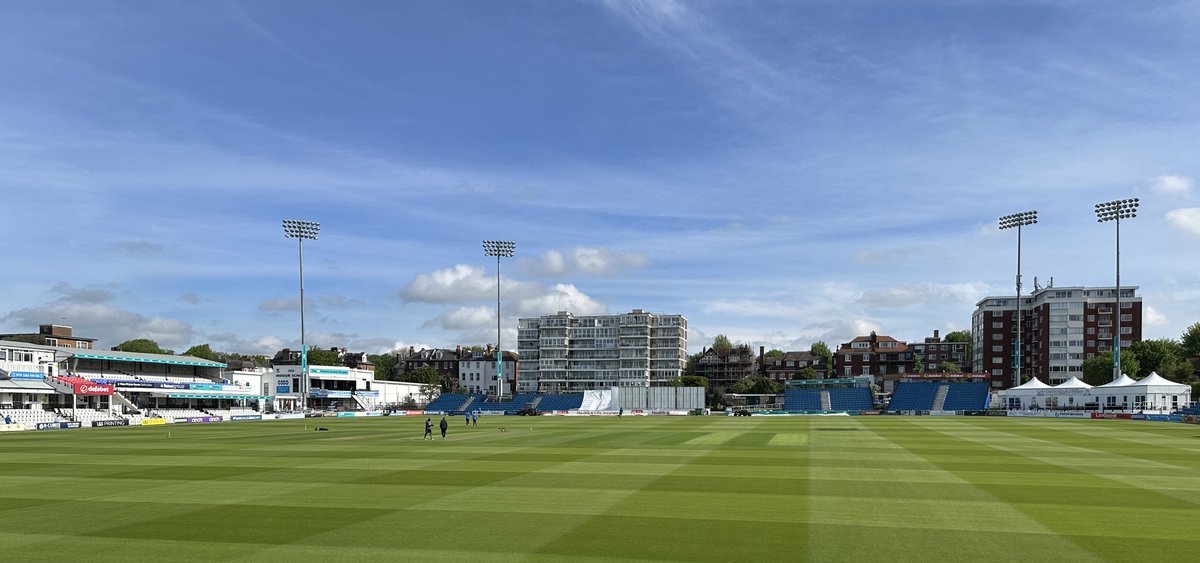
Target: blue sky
(779, 172)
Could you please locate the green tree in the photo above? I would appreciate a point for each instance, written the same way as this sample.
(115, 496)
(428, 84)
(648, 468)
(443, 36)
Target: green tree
(428, 392)
(948, 367)
(1190, 340)
(694, 381)
(385, 366)
(961, 336)
(821, 350)
(142, 346)
(722, 344)
(202, 351)
(321, 357)
(424, 374)
(757, 384)
(675, 382)
(774, 353)
(807, 372)
(918, 362)
(692, 361)
(1097, 370)
(1164, 356)
(28, 338)
(718, 400)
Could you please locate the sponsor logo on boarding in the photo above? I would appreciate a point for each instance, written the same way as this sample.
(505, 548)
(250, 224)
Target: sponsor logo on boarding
(26, 375)
(153, 421)
(58, 425)
(246, 417)
(1112, 415)
(90, 388)
(102, 423)
(199, 419)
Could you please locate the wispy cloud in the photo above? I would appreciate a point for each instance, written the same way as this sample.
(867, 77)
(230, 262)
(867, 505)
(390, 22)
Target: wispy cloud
(1186, 219)
(1172, 185)
(593, 261)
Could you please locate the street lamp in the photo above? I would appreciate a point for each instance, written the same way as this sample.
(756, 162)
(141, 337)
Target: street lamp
(1018, 220)
(301, 230)
(499, 248)
(1115, 211)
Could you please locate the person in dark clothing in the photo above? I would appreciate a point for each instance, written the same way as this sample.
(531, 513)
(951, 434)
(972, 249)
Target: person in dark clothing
(428, 428)
(467, 417)
(474, 418)
(444, 425)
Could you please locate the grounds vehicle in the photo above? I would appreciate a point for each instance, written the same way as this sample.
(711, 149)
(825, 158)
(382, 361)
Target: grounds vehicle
(741, 412)
(529, 411)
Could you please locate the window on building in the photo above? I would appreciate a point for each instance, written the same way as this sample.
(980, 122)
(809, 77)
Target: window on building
(997, 336)
(998, 359)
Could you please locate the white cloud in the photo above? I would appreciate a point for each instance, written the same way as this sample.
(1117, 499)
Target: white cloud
(464, 318)
(463, 283)
(603, 262)
(593, 261)
(1172, 185)
(107, 321)
(967, 293)
(1151, 317)
(549, 264)
(1186, 219)
(560, 297)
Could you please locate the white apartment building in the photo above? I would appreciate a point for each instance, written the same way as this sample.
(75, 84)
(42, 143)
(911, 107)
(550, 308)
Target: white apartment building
(563, 352)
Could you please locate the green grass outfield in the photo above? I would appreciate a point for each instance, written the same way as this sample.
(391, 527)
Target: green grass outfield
(656, 489)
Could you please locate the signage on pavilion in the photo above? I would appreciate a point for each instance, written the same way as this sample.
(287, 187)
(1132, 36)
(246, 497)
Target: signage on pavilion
(89, 388)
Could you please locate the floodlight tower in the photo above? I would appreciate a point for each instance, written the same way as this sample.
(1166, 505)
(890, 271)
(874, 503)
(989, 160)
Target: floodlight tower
(506, 249)
(1018, 220)
(301, 230)
(1116, 210)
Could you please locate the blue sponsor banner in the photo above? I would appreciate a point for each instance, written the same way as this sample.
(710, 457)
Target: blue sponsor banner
(58, 425)
(329, 393)
(345, 414)
(282, 386)
(1160, 417)
(129, 384)
(367, 393)
(26, 375)
(246, 417)
(204, 386)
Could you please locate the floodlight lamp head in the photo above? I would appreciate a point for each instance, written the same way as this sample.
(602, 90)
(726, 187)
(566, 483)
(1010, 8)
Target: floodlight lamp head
(294, 228)
(499, 248)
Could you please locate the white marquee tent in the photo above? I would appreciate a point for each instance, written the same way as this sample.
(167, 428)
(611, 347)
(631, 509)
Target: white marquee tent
(1154, 394)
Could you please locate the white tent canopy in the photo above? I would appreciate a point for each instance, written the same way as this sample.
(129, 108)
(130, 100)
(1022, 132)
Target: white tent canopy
(1154, 394)
(1073, 383)
(1120, 382)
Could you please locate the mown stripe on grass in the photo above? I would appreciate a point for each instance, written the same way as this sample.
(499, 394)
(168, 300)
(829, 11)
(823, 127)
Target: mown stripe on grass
(713, 438)
(984, 512)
